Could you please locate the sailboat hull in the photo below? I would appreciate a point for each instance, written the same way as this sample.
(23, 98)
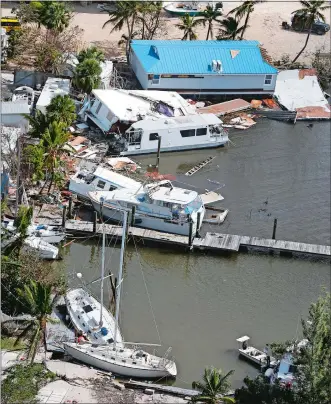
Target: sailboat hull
(123, 369)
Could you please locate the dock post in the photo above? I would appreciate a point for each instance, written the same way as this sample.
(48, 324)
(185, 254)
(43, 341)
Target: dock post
(64, 215)
(274, 230)
(190, 234)
(70, 208)
(158, 152)
(198, 223)
(133, 213)
(95, 220)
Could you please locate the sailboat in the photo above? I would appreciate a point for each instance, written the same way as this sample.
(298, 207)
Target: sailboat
(120, 358)
(88, 315)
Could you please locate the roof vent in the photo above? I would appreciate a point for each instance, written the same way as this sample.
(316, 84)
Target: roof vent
(214, 66)
(154, 51)
(219, 67)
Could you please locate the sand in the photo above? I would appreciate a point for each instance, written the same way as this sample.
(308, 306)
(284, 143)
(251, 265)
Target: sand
(264, 26)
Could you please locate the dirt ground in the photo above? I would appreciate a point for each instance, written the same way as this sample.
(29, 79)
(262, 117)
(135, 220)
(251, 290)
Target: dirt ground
(264, 26)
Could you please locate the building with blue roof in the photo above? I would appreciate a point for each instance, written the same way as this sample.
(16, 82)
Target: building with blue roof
(205, 67)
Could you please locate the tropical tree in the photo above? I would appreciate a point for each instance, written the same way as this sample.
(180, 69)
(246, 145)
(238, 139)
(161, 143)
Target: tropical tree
(53, 141)
(213, 387)
(188, 24)
(87, 75)
(244, 10)
(149, 16)
(91, 53)
(38, 124)
(209, 16)
(54, 15)
(229, 29)
(62, 109)
(125, 14)
(310, 11)
(38, 302)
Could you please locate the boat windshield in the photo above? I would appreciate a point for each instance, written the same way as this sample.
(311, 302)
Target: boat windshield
(195, 205)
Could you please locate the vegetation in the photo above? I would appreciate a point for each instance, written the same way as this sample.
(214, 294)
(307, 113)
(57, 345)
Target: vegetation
(229, 29)
(188, 24)
(62, 109)
(310, 11)
(322, 63)
(38, 302)
(87, 75)
(244, 10)
(23, 383)
(91, 53)
(9, 344)
(213, 387)
(209, 16)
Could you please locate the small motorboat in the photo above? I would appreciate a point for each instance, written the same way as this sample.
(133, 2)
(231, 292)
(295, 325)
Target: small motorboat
(45, 250)
(215, 216)
(253, 354)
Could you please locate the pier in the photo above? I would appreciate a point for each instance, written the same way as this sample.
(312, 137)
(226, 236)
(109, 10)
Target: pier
(215, 242)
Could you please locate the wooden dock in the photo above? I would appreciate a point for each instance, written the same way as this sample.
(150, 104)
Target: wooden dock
(216, 242)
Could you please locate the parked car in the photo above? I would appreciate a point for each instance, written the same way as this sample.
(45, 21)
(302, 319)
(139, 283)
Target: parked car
(300, 24)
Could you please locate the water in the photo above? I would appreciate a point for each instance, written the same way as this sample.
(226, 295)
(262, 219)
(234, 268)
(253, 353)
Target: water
(202, 303)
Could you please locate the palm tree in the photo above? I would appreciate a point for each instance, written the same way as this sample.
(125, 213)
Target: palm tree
(125, 13)
(62, 109)
(310, 11)
(187, 25)
(38, 302)
(38, 124)
(87, 75)
(209, 16)
(230, 29)
(53, 142)
(91, 53)
(213, 387)
(244, 9)
(54, 15)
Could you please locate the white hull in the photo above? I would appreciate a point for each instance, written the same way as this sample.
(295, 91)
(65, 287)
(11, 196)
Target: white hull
(45, 250)
(94, 357)
(84, 311)
(258, 357)
(147, 222)
(135, 151)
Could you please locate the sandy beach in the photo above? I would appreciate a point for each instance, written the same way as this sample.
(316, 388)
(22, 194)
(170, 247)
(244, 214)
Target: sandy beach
(264, 26)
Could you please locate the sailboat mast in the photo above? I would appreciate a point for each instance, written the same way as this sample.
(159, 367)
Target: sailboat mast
(120, 274)
(102, 272)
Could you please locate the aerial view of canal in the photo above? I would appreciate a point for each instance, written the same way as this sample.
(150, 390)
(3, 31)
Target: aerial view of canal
(202, 302)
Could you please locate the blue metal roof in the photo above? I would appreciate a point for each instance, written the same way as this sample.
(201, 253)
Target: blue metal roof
(195, 57)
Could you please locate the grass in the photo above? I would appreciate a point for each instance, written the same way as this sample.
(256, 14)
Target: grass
(8, 344)
(23, 383)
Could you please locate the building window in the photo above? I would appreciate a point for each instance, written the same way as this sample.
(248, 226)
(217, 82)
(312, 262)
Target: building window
(268, 79)
(201, 131)
(153, 136)
(187, 133)
(98, 108)
(156, 79)
(101, 184)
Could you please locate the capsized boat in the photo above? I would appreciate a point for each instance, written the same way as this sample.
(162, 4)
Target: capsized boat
(159, 206)
(45, 250)
(125, 361)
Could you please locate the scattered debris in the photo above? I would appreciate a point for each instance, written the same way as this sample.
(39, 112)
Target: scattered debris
(243, 121)
(211, 197)
(198, 167)
(225, 107)
(122, 164)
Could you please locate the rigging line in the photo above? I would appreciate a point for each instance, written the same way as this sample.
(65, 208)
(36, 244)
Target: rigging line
(16, 298)
(149, 298)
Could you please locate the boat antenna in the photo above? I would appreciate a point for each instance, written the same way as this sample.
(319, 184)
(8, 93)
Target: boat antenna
(120, 276)
(102, 271)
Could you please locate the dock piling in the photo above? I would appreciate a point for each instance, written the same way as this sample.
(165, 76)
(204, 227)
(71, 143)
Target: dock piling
(133, 213)
(70, 208)
(64, 216)
(274, 230)
(190, 235)
(95, 220)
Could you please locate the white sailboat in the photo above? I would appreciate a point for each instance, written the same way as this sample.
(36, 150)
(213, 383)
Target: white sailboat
(125, 361)
(88, 315)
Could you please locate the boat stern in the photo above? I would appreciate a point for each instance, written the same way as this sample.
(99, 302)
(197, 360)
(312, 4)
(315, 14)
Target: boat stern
(171, 368)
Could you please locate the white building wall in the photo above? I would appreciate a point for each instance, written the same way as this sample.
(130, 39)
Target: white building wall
(213, 82)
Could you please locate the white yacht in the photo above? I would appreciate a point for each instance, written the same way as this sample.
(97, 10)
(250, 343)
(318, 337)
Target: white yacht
(24, 93)
(85, 181)
(159, 206)
(177, 133)
(119, 358)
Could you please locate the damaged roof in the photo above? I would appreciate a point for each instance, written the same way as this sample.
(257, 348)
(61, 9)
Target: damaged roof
(195, 57)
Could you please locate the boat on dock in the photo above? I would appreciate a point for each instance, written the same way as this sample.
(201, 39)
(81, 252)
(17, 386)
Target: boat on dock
(180, 133)
(252, 354)
(100, 179)
(119, 359)
(159, 206)
(192, 8)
